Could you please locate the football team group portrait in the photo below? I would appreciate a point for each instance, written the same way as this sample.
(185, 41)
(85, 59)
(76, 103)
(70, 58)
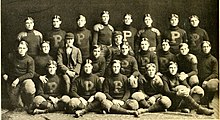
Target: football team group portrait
(107, 69)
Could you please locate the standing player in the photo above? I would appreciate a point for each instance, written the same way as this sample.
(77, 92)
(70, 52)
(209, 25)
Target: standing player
(165, 56)
(149, 32)
(175, 34)
(56, 36)
(19, 71)
(187, 65)
(208, 73)
(31, 36)
(49, 96)
(83, 38)
(196, 35)
(69, 61)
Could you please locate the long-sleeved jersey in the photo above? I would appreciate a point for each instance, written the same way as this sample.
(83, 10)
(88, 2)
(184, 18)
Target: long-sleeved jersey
(103, 34)
(56, 37)
(207, 67)
(83, 40)
(116, 87)
(99, 65)
(85, 86)
(34, 39)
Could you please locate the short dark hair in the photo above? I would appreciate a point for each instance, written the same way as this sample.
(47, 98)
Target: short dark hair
(56, 17)
(22, 42)
(51, 62)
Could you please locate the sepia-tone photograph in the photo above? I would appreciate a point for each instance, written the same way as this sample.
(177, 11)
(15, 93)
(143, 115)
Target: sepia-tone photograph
(109, 59)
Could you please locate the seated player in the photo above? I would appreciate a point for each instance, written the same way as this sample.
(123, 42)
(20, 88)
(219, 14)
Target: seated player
(83, 37)
(41, 61)
(49, 96)
(175, 34)
(151, 99)
(56, 36)
(187, 64)
(19, 70)
(208, 73)
(182, 99)
(83, 90)
(149, 32)
(116, 90)
(69, 61)
(31, 36)
(196, 35)
(164, 56)
(145, 56)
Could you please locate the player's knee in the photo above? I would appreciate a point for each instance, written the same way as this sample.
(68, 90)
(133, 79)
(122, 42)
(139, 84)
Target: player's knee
(132, 104)
(106, 104)
(29, 86)
(65, 99)
(193, 80)
(197, 90)
(74, 103)
(138, 96)
(212, 85)
(38, 100)
(165, 102)
(100, 96)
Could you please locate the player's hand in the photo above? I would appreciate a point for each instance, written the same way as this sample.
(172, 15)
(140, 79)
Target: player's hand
(91, 98)
(118, 102)
(159, 74)
(101, 79)
(15, 82)
(183, 92)
(204, 84)
(183, 76)
(70, 73)
(152, 100)
(5, 77)
(53, 99)
(84, 102)
(43, 79)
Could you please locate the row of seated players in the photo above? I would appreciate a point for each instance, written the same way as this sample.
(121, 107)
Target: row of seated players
(140, 86)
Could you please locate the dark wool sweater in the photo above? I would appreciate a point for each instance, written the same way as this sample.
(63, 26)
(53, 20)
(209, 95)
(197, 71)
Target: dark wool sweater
(102, 34)
(40, 64)
(83, 40)
(129, 33)
(52, 88)
(116, 87)
(164, 57)
(34, 39)
(19, 67)
(208, 67)
(176, 36)
(56, 37)
(153, 36)
(196, 36)
(129, 65)
(187, 64)
(144, 58)
(99, 66)
(85, 86)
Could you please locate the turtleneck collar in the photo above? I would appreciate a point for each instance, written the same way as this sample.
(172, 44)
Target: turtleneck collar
(21, 57)
(29, 30)
(56, 29)
(124, 56)
(174, 27)
(148, 27)
(115, 75)
(50, 76)
(194, 28)
(165, 52)
(127, 27)
(206, 55)
(144, 52)
(81, 28)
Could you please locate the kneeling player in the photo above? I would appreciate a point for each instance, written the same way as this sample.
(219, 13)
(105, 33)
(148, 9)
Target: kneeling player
(49, 97)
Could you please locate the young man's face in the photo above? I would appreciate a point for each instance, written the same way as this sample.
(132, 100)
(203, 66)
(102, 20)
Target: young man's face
(206, 48)
(70, 41)
(97, 52)
(184, 50)
(105, 18)
(144, 45)
(56, 23)
(81, 22)
(116, 68)
(29, 24)
(165, 46)
(88, 68)
(118, 39)
(148, 21)
(174, 21)
(22, 49)
(151, 71)
(173, 69)
(194, 22)
(124, 49)
(127, 20)
(45, 48)
(52, 69)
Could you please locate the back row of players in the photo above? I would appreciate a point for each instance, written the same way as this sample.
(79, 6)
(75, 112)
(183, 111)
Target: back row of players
(132, 69)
